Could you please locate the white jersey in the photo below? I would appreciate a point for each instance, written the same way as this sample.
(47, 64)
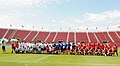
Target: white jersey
(42, 46)
(4, 44)
(64, 45)
(50, 48)
(50, 44)
(16, 49)
(45, 45)
(31, 49)
(34, 46)
(28, 44)
(21, 49)
(22, 44)
(71, 46)
(39, 49)
(27, 49)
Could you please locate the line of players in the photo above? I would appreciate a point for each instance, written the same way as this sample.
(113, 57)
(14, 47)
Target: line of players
(105, 49)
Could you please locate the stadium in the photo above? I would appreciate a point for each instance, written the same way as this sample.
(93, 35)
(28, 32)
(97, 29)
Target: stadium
(59, 33)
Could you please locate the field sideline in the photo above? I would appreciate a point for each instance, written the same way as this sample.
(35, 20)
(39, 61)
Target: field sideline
(8, 59)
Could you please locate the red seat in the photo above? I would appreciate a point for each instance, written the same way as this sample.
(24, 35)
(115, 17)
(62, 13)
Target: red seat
(41, 36)
(30, 37)
(71, 37)
(51, 37)
(81, 36)
(61, 36)
(2, 32)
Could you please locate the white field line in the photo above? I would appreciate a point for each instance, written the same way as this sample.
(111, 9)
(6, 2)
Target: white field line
(42, 58)
(36, 60)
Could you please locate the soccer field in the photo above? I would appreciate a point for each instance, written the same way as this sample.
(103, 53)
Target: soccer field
(8, 59)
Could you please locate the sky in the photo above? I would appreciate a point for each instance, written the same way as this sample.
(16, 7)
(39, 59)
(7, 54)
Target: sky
(60, 15)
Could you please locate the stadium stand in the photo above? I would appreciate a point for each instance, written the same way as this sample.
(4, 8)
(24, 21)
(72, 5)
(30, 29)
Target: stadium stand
(51, 37)
(61, 36)
(81, 36)
(2, 32)
(71, 37)
(30, 37)
(107, 37)
(114, 36)
(21, 34)
(91, 37)
(100, 36)
(41, 36)
(9, 33)
(118, 32)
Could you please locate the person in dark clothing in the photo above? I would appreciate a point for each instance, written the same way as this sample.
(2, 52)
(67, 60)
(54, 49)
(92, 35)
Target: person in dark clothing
(3, 46)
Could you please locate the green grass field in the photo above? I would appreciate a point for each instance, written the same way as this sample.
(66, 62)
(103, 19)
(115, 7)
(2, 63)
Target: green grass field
(8, 59)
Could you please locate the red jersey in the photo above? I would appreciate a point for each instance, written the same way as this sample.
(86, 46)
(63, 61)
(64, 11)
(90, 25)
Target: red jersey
(84, 46)
(105, 46)
(115, 48)
(81, 49)
(77, 46)
(88, 45)
(105, 50)
(13, 45)
(17, 45)
(73, 50)
(54, 48)
(80, 45)
(109, 47)
(47, 48)
(86, 50)
(96, 45)
(93, 45)
(102, 46)
(99, 50)
(110, 50)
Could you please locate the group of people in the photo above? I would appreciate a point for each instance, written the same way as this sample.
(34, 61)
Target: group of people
(103, 49)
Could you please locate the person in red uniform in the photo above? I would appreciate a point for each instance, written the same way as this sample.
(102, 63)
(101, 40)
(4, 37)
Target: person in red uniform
(73, 51)
(47, 49)
(115, 49)
(82, 51)
(17, 45)
(13, 46)
(110, 52)
(99, 52)
(77, 48)
(88, 46)
(80, 45)
(93, 46)
(102, 46)
(91, 51)
(105, 51)
(96, 50)
(86, 51)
